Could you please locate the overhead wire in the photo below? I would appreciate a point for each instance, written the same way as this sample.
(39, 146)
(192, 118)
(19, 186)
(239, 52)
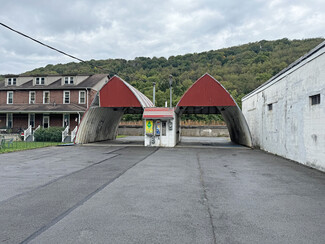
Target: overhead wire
(48, 46)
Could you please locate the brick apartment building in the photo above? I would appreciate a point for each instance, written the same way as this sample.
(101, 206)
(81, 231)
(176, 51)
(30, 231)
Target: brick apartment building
(48, 100)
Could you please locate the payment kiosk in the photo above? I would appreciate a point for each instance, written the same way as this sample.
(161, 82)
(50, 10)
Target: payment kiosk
(160, 127)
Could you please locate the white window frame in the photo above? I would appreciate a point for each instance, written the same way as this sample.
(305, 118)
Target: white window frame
(12, 81)
(68, 80)
(30, 97)
(29, 115)
(84, 92)
(64, 97)
(46, 116)
(12, 120)
(12, 99)
(38, 80)
(44, 92)
(63, 125)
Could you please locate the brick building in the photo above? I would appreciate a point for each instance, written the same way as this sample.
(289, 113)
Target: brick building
(48, 100)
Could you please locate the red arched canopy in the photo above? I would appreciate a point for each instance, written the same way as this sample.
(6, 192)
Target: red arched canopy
(206, 92)
(208, 96)
(117, 93)
(115, 98)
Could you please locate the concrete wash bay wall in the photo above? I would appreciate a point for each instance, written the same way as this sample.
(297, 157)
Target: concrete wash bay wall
(294, 128)
(207, 131)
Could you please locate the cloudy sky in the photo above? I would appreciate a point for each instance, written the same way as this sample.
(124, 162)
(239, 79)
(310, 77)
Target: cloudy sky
(103, 29)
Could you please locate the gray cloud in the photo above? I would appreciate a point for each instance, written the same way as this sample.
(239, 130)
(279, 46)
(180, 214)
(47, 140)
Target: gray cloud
(126, 29)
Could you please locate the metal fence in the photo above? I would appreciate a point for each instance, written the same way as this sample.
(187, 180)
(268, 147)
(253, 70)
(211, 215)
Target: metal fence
(14, 144)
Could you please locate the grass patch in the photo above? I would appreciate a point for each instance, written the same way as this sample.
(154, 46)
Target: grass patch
(22, 145)
(121, 136)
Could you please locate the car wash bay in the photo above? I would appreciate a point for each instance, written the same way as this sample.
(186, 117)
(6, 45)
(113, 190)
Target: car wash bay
(117, 194)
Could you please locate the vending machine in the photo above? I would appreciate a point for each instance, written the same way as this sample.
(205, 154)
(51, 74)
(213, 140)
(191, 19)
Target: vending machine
(160, 127)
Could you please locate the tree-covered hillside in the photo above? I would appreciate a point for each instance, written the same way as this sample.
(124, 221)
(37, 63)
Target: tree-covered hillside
(240, 69)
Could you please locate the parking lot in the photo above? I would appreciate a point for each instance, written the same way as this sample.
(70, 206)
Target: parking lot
(132, 194)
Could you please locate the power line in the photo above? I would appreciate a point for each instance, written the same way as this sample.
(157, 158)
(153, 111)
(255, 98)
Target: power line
(33, 39)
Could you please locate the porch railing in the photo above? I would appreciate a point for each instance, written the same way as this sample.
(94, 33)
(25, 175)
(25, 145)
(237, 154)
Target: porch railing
(28, 132)
(74, 133)
(38, 127)
(65, 133)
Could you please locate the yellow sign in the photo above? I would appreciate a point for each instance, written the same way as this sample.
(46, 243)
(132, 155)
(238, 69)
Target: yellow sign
(149, 127)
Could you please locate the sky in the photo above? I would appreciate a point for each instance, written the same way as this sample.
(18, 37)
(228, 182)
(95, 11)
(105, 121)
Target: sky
(105, 29)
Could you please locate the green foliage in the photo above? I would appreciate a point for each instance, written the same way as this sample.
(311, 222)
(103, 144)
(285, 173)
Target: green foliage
(132, 117)
(239, 69)
(53, 134)
(202, 117)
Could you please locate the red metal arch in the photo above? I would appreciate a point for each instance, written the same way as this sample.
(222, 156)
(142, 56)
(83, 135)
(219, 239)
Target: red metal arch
(207, 96)
(101, 120)
(206, 92)
(117, 93)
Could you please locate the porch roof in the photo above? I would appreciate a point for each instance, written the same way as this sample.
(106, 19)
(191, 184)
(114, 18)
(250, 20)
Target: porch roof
(37, 108)
(156, 113)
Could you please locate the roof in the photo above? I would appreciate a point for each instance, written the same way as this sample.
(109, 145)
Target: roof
(46, 108)
(89, 82)
(42, 75)
(118, 93)
(206, 92)
(145, 102)
(287, 69)
(92, 80)
(158, 113)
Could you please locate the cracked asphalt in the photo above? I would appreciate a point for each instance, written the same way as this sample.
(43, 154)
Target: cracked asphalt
(127, 194)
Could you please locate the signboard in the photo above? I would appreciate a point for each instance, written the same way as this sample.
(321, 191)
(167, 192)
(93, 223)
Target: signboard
(158, 128)
(149, 127)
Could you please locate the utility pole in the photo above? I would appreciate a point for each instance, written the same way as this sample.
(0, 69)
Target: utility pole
(170, 90)
(154, 94)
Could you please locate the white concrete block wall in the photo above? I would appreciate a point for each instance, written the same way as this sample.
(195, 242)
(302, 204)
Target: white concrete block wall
(294, 128)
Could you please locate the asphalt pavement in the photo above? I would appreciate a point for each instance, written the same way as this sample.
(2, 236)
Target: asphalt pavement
(132, 194)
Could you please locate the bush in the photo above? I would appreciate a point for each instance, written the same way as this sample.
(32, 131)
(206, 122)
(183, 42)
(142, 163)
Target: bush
(53, 134)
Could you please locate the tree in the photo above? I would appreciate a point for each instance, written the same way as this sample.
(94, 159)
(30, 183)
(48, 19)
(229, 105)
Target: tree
(240, 69)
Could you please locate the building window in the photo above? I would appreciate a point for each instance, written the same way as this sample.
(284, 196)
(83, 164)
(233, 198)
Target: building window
(68, 80)
(82, 97)
(163, 128)
(66, 97)
(39, 80)
(32, 97)
(12, 81)
(46, 121)
(10, 97)
(315, 99)
(46, 97)
(31, 120)
(10, 122)
(270, 106)
(66, 120)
